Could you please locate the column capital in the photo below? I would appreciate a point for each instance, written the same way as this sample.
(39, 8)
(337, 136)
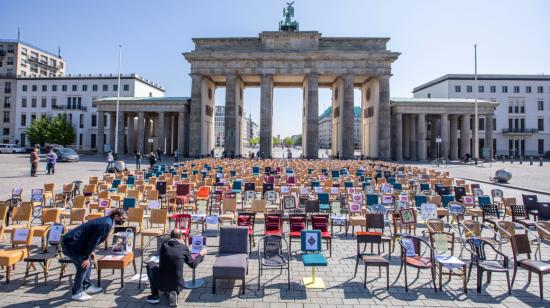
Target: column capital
(266, 76)
(348, 77)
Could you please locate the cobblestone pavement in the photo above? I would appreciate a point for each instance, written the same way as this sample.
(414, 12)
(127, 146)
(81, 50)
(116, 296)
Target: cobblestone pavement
(342, 288)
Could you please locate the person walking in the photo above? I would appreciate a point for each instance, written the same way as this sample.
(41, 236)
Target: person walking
(79, 245)
(110, 161)
(138, 160)
(34, 161)
(176, 156)
(152, 160)
(159, 155)
(52, 160)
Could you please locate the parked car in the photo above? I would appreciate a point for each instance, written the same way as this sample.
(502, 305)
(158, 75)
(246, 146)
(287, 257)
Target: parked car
(11, 148)
(66, 154)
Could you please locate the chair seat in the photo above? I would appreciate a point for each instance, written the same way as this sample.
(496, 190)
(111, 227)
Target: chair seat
(295, 234)
(10, 256)
(314, 259)
(474, 212)
(41, 257)
(229, 216)
(493, 266)
(324, 207)
(9, 229)
(535, 266)
(375, 260)
(230, 266)
(419, 262)
(273, 232)
(40, 231)
(526, 222)
(326, 234)
(152, 232)
(357, 221)
(115, 261)
(274, 261)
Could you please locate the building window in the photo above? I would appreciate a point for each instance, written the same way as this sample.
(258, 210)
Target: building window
(493, 89)
(6, 131)
(34, 88)
(33, 102)
(540, 89)
(494, 124)
(115, 87)
(44, 88)
(94, 120)
(528, 89)
(7, 102)
(24, 88)
(92, 141)
(84, 87)
(429, 95)
(64, 88)
(54, 88)
(81, 121)
(504, 89)
(6, 117)
(541, 146)
(516, 89)
(540, 104)
(481, 89)
(23, 119)
(24, 102)
(540, 125)
(7, 88)
(104, 120)
(54, 101)
(457, 89)
(469, 89)
(44, 102)
(80, 138)
(126, 87)
(105, 88)
(33, 117)
(94, 87)
(10, 61)
(74, 88)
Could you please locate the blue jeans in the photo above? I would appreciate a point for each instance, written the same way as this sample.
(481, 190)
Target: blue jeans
(82, 276)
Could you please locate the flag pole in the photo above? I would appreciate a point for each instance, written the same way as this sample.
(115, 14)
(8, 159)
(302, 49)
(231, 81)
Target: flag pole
(476, 117)
(118, 98)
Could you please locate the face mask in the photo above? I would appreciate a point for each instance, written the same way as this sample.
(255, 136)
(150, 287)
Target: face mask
(119, 222)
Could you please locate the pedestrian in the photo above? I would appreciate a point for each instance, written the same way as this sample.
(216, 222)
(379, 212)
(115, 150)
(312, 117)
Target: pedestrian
(110, 161)
(152, 160)
(79, 245)
(159, 155)
(34, 161)
(138, 160)
(176, 155)
(52, 160)
(212, 153)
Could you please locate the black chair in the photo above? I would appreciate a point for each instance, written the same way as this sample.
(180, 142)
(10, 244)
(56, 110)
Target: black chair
(479, 258)
(442, 189)
(371, 259)
(491, 214)
(531, 204)
(161, 188)
(273, 253)
(232, 260)
(460, 192)
(312, 207)
(52, 251)
(266, 187)
(521, 216)
(544, 211)
(375, 222)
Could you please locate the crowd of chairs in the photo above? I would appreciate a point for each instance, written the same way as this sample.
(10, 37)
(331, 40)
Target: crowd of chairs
(301, 200)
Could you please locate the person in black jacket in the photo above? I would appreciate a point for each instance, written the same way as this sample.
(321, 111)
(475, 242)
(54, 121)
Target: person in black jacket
(79, 245)
(167, 275)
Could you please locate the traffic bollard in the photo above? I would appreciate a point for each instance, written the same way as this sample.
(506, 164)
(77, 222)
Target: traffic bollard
(540, 161)
(531, 160)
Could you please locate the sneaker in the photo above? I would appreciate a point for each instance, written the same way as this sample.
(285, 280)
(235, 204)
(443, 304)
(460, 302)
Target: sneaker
(81, 297)
(173, 299)
(153, 299)
(93, 290)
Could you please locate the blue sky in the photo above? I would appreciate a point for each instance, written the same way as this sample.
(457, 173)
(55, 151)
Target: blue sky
(435, 37)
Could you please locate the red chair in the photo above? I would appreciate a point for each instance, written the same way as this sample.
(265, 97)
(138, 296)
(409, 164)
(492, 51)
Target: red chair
(290, 181)
(247, 219)
(270, 179)
(321, 222)
(183, 223)
(273, 224)
(297, 223)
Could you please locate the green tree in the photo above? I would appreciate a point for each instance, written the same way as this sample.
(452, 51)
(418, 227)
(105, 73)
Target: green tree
(288, 142)
(276, 141)
(61, 130)
(38, 131)
(298, 141)
(254, 141)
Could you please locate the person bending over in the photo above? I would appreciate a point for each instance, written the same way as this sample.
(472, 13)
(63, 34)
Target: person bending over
(167, 275)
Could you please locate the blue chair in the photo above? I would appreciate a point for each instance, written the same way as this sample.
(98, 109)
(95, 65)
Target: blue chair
(129, 203)
(324, 202)
(131, 181)
(391, 180)
(309, 171)
(237, 186)
(255, 170)
(312, 257)
(195, 172)
(425, 187)
(397, 186)
(445, 199)
(335, 174)
(483, 201)
(419, 199)
(315, 184)
(114, 185)
(232, 173)
(348, 184)
(372, 199)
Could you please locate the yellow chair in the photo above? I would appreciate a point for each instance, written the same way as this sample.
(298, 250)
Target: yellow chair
(76, 218)
(49, 216)
(11, 256)
(158, 217)
(21, 217)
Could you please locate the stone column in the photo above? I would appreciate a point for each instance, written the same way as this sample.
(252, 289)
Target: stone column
(181, 132)
(100, 131)
(384, 118)
(230, 125)
(398, 136)
(347, 118)
(444, 135)
(406, 137)
(489, 134)
(412, 129)
(120, 132)
(112, 126)
(196, 118)
(465, 136)
(312, 116)
(141, 132)
(454, 137)
(130, 133)
(266, 114)
(160, 130)
(421, 131)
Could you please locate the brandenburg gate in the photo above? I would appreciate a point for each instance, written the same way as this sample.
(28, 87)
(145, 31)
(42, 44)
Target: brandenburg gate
(303, 59)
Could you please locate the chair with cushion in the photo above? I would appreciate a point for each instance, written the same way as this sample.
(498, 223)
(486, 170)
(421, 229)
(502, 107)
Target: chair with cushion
(413, 255)
(443, 244)
(478, 256)
(297, 223)
(321, 222)
(371, 259)
(273, 224)
(232, 259)
(183, 223)
(312, 257)
(21, 236)
(247, 219)
(273, 253)
(521, 245)
(531, 204)
(324, 202)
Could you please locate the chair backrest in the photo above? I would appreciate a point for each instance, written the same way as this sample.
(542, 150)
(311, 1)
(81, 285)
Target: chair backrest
(530, 202)
(483, 201)
(22, 236)
(323, 198)
(229, 205)
(297, 222)
(159, 216)
(445, 199)
(375, 221)
(435, 225)
(544, 211)
(203, 192)
(22, 213)
(51, 215)
(3, 213)
(312, 206)
(460, 191)
(506, 229)
(519, 212)
(258, 206)
(520, 245)
(246, 219)
(161, 187)
(77, 215)
(136, 215)
(79, 202)
(273, 222)
(442, 242)
(472, 228)
(152, 194)
(55, 233)
(182, 189)
(129, 203)
(310, 240)
(182, 221)
(234, 240)
(419, 200)
(372, 199)
(320, 222)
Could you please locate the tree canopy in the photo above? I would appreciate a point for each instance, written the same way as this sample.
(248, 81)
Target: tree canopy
(49, 129)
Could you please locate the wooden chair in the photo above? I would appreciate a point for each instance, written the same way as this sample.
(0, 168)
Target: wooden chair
(44, 257)
(65, 196)
(20, 217)
(228, 211)
(9, 257)
(76, 218)
(414, 256)
(521, 245)
(158, 217)
(49, 217)
(371, 259)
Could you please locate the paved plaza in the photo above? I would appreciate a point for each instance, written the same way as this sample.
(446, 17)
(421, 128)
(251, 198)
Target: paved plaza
(342, 288)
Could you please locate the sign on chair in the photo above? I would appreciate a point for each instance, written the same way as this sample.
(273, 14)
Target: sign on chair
(54, 235)
(21, 235)
(408, 216)
(428, 211)
(153, 204)
(312, 241)
(289, 203)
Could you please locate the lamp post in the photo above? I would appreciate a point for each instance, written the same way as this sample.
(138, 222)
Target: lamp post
(118, 99)
(476, 120)
(438, 141)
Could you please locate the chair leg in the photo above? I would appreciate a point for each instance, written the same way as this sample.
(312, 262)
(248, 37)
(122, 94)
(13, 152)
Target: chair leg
(387, 277)
(433, 278)
(508, 283)
(479, 278)
(259, 276)
(356, 265)
(213, 285)
(365, 280)
(406, 283)
(244, 285)
(541, 285)
(514, 276)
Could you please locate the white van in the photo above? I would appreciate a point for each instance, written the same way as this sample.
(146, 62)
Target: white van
(11, 148)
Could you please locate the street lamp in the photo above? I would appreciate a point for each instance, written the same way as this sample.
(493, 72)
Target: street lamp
(438, 141)
(118, 99)
(476, 120)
